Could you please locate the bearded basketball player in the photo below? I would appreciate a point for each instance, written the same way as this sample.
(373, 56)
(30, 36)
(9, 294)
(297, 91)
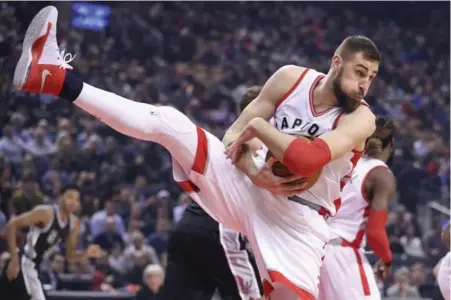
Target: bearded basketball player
(275, 217)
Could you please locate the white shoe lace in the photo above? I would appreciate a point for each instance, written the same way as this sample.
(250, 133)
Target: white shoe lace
(65, 59)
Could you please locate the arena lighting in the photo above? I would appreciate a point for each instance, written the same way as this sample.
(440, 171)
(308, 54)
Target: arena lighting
(90, 16)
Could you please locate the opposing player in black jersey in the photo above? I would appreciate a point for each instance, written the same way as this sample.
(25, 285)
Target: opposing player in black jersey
(48, 226)
(204, 255)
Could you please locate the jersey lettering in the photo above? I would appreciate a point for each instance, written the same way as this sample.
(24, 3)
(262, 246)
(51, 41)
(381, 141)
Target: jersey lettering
(306, 128)
(52, 237)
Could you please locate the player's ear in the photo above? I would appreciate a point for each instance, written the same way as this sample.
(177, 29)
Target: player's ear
(337, 62)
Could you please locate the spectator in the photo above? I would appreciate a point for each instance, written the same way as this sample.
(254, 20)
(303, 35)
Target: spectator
(116, 260)
(102, 279)
(402, 287)
(418, 275)
(159, 239)
(139, 249)
(184, 200)
(435, 249)
(81, 267)
(50, 278)
(11, 147)
(110, 238)
(40, 145)
(139, 262)
(153, 278)
(412, 244)
(27, 195)
(98, 220)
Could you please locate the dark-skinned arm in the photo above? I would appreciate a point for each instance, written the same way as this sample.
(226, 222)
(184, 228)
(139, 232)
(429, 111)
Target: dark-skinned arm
(379, 188)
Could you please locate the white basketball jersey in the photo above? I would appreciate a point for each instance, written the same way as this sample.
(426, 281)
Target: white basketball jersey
(296, 115)
(350, 221)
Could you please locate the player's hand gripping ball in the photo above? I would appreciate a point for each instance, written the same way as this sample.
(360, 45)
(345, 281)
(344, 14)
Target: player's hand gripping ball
(279, 169)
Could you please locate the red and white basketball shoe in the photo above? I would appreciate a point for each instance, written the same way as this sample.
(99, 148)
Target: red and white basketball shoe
(42, 67)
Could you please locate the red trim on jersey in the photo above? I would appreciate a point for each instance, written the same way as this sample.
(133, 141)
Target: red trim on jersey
(312, 106)
(295, 85)
(337, 119)
(356, 157)
(342, 113)
(267, 288)
(363, 278)
(188, 186)
(279, 277)
(354, 160)
(200, 160)
(337, 204)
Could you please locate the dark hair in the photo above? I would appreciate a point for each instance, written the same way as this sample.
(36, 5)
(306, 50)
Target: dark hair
(249, 95)
(68, 187)
(382, 136)
(358, 44)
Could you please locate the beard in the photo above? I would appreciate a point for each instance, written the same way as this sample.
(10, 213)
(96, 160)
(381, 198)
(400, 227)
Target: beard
(347, 103)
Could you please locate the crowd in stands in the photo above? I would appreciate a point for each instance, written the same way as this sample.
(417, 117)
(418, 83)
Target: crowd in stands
(200, 57)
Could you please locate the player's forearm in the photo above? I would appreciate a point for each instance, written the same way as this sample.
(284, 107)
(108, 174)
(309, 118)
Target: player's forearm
(377, 236)
(276, 141)
(11, 237)
(301, 157)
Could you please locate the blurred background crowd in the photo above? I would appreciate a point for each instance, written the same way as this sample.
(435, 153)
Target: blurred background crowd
(199, 57)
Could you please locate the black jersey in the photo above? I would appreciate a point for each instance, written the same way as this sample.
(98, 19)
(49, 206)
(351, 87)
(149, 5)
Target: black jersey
(40, 240)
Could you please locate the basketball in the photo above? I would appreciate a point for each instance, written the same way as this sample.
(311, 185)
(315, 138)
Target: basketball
(279, 169)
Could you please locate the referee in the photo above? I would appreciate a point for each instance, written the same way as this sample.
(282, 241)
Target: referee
(205, 256)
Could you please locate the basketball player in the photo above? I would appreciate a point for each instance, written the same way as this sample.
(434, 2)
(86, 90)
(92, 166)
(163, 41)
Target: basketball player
(346, 273)
(48, 226)
(217, 253)
(253, 202)
(444, 267)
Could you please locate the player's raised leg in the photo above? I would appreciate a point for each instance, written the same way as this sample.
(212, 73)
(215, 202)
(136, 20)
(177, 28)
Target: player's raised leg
(42, 68)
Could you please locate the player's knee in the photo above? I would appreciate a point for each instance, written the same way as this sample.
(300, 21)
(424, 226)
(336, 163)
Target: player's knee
(173, 120)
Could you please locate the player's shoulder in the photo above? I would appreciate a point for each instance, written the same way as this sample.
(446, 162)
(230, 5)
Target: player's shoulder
(293, 72)
(43, 209)
(380, 173)
(284, 80)
(363, 115)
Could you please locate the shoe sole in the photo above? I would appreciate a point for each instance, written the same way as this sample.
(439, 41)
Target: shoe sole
(36, 29)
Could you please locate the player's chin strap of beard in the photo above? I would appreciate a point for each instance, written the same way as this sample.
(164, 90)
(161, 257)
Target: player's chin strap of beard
(342, 98)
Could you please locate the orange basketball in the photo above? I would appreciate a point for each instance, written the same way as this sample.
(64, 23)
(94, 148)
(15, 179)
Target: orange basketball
(279, 169)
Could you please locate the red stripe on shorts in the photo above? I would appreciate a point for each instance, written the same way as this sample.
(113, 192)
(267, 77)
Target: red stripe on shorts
(363, 278)
(200, 160)
(279, 277)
